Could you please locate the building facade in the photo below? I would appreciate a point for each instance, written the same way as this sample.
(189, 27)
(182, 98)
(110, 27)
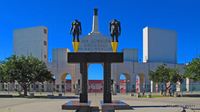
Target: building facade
(159, 45)
(31, 41)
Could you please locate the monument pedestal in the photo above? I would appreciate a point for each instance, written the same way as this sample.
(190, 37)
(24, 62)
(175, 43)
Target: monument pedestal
(76, 105)
(115, 105)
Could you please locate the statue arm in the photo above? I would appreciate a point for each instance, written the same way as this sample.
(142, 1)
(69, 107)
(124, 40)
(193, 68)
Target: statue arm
(80, 28)
(110, 27)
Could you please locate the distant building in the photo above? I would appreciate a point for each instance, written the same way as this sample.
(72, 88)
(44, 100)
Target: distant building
(31, 41)
(159, 45)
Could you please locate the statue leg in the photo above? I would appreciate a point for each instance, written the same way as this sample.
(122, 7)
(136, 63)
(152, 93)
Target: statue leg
(74, 37)
(116, 38)
(112, 37)
(77, 37)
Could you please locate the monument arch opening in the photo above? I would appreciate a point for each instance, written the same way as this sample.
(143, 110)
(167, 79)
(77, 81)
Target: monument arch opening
(95, 78)
(140, 80)
(66, 80)
(124, 83)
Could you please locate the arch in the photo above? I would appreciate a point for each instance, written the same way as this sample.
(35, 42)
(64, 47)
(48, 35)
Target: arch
(124, 84)
(95, 78)
(66, 82)
(141, 86)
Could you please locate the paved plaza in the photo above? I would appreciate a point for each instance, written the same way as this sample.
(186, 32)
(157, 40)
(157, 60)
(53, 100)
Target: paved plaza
(138, 104)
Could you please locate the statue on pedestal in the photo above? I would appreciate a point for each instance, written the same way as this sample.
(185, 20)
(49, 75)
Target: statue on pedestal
(76, 30)
(115, 30)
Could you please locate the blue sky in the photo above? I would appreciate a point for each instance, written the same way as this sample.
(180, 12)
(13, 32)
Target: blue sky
(180, 15)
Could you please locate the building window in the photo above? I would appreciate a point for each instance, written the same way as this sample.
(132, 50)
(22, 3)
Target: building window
(37, 86)
(63, 86)
(45, 31)
(45, 56)
(45, 43)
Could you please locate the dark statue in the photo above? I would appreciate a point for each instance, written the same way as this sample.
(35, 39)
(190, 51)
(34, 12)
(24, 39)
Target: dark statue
(76, 30)
(115, 30)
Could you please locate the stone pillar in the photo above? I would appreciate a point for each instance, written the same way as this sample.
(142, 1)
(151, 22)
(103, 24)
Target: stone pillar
(137, 84)
(0, 86)
(84, 82)
(45, 86)
(31, 89)
(178, 86)
(156, 87)
(114, 87)
(107, 98)
(187, 84)
(151, 86)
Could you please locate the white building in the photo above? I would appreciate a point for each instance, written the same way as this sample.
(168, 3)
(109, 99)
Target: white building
(159, 45)
(31, 41)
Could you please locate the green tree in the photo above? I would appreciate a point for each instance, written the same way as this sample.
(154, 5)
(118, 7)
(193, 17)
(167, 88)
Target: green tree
(163, 74)
(192, 70)
(3, 76)
(26, 71)
(175, 75)
(1, 73)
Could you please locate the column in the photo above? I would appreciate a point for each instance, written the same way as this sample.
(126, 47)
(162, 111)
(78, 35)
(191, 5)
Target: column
(107, 98)
(187, 84)
(45, 86)
(60, 87)
(0, 86)
(114, 87)
(151, 86)
(84, 83)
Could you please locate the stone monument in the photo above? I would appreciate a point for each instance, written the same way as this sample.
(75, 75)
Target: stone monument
(96, 56)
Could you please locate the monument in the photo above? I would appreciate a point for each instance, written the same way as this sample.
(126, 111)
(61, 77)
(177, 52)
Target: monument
(76, 31)
(106, 58)
(115, 31)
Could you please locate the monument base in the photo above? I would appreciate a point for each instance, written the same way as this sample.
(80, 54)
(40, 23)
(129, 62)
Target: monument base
(76, 105)
(75, 46)
(115, 105)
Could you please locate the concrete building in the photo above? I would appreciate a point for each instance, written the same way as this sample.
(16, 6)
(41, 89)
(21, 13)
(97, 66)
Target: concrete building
(32, 41)
(159, 45)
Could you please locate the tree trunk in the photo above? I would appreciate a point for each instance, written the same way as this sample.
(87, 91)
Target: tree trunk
(25, 91)
(24, 86)
(168, 88)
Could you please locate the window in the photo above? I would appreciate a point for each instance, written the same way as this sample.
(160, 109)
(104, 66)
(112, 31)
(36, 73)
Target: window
(45, 43)
(45, 31)
(45, 56)
(63, 86)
